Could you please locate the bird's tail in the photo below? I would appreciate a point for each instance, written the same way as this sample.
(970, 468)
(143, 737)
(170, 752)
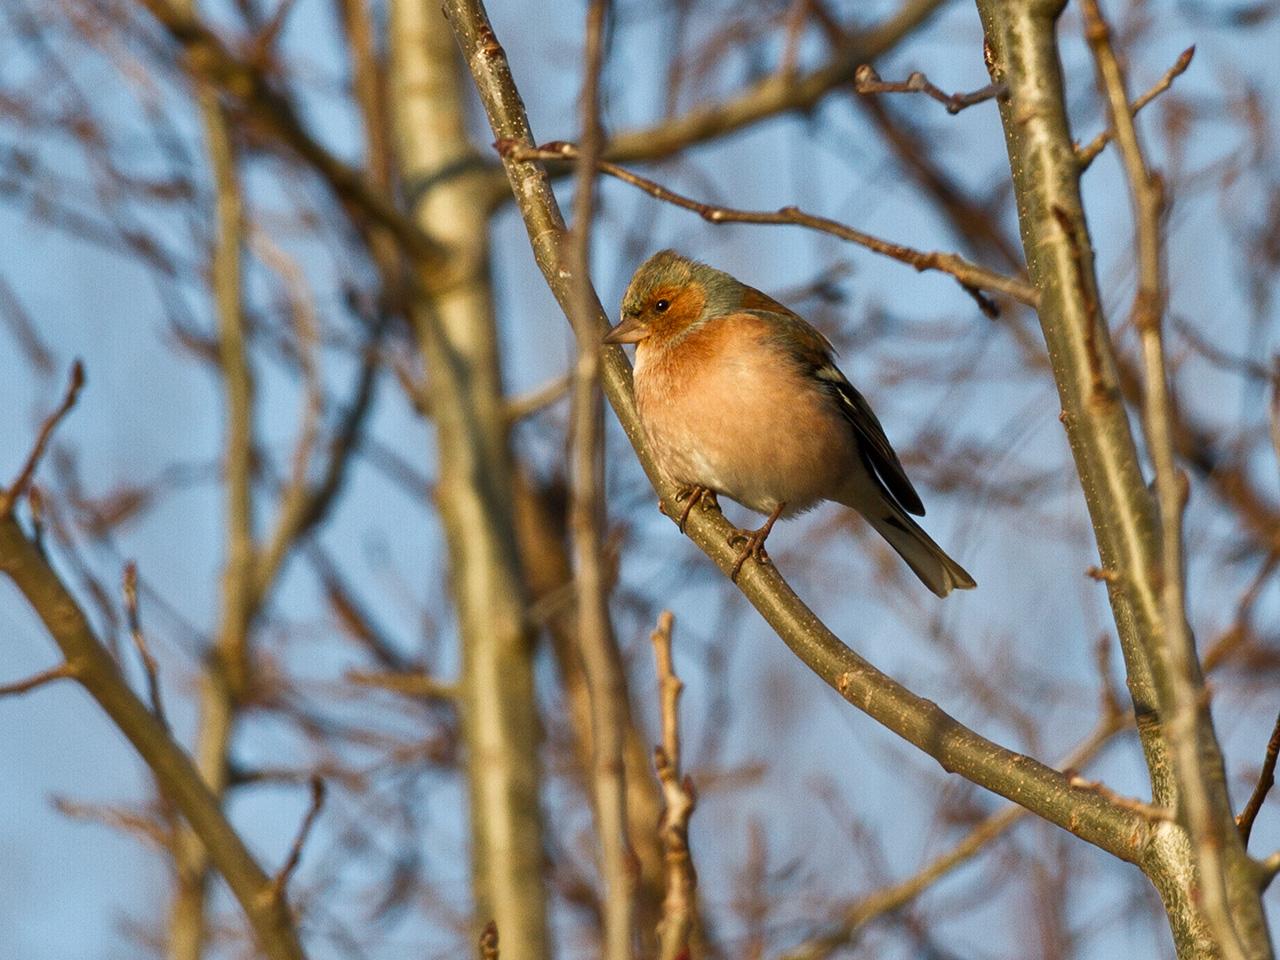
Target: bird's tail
(936, 570)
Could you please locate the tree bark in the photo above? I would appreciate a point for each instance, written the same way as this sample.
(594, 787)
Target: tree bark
(1022, 53)
(458, 340)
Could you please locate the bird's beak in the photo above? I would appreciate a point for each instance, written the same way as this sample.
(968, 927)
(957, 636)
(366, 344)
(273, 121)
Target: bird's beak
(630, 330)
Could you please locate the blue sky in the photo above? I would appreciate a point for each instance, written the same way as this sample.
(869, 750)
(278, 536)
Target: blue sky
(1030, 629)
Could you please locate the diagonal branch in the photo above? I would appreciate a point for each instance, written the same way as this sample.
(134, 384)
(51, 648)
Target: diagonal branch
(917, 720)
(175, 774)
(780, 92)
(247, 85)
(970, 276)
(1266, 780)
(10, 497)
(1086, 154)
(893, 897)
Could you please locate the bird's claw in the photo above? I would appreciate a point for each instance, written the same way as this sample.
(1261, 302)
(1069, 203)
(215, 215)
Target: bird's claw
(754, 542)
(753, 546)
(695, 494)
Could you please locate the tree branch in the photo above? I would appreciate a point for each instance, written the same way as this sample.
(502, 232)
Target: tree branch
(1024, 55)
(921, 722)
(866, 80)
(605, 685)
(970, 276)
(680, 904)
(9, 498)
(1085, 155)
(1203, 803)
(1266, 780)
(175, 774)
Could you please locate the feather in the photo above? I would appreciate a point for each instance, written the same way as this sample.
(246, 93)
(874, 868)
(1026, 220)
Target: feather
(815, 353)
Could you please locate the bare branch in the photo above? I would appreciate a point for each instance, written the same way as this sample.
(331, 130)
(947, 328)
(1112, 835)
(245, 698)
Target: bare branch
(780, 92)
(178, 779)
(1148, 810)
(1087, 154)
(138, 823)
(970, 276)
(866, 80)
(410, 684)
(1202, 801)
(679, 904)
(246, 83)
(605, 684)
(281, 880)
(10, 497)
(1266, 780)
(149, 665)
(919, 721)
(62, 671)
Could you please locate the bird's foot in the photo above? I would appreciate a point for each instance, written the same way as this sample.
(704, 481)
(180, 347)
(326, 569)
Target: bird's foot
(695, 493)
(753, 542)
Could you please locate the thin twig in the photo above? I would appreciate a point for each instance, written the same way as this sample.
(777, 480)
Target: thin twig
(281, 880)
(539, 398)
(409, 684)
(678, 906)
(297, 493)
(149, 665)
(10, 497)
(1149, 810)
(62, 671)
(866, 80)
(1266, 780)
(1087, 154)
(132, 821)
(969, 275)
(605, 684)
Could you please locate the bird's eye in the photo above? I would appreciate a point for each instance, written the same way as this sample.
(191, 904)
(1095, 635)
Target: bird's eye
(662, 305)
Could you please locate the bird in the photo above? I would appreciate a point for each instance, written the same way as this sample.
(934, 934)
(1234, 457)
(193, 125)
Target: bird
(738, 396)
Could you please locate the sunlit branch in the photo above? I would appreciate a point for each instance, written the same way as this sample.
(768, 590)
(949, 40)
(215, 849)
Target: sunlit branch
(177, 777)
(680, 903)
(867, 81)
(1266, 780)
(10, 497)
(1085, 155)
(970, 276)
(921, 722)
(1197, 765)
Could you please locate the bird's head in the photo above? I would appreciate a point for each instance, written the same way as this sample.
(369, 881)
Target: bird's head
(671, 295)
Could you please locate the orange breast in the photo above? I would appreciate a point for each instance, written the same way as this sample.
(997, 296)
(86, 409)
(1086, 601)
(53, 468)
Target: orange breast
(726, 408)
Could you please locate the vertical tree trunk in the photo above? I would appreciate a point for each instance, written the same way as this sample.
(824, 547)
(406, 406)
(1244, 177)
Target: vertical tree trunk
(459, 345)
(1022, 53)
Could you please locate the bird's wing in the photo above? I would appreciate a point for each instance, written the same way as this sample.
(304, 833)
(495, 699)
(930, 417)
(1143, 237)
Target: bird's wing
(815, 353)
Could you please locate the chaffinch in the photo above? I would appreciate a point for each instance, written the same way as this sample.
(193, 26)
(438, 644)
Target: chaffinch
(739, 396)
